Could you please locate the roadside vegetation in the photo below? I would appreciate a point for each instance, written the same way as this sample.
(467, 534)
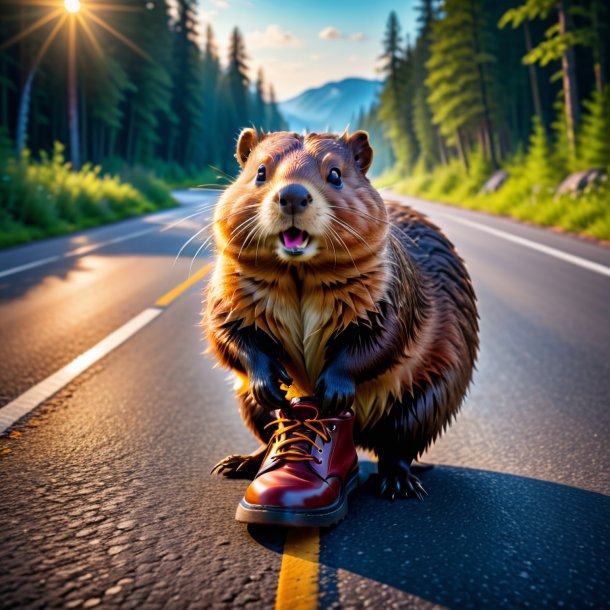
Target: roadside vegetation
(517, 89)
(45, 198)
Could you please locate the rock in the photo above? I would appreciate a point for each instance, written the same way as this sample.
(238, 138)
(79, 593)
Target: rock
(495, 181)
(576, 183)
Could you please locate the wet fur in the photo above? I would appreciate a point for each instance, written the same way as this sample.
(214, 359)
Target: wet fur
(382, 314)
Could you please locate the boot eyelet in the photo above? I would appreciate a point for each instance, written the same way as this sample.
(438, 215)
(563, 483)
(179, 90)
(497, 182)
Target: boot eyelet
(332, 427)
(320, 450)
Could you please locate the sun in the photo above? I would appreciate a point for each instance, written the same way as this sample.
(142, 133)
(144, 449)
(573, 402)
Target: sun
(72, 6)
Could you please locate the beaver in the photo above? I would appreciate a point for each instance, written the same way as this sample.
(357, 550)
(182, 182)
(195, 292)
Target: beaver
(321, 288)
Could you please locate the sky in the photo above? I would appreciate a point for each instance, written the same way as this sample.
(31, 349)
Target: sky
(305, 44)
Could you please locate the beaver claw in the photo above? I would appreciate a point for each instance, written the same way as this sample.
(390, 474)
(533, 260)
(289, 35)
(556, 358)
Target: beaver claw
(240, 466)
(395, 480)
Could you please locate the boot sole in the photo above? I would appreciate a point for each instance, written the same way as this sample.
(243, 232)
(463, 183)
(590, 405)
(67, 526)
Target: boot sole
(298, 517)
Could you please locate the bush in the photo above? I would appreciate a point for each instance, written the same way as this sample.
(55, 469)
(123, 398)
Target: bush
(42, 198)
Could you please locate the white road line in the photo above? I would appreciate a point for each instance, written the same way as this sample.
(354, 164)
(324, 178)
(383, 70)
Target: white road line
(76, 252)
(564, 256)
(81, 250)
(36, 395)
(26, 266)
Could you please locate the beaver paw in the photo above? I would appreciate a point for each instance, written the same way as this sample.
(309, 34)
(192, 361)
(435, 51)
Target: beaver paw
(395, 480)
(240, 466)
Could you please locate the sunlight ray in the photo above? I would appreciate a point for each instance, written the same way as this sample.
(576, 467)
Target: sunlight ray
(94, 43)
(31, 28)
(51, 3)
(134, 47)
(50, 38)
(99, 6)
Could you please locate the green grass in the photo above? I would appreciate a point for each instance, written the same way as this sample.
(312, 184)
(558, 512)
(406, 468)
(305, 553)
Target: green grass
(521, 197)
(46, 198)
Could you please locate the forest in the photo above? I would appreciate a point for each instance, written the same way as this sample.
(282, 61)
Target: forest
(500, 105)
(151, 106)
(517, 91)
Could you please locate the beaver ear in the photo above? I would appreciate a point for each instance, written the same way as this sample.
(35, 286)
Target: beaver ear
(361, 149)
(246, 143)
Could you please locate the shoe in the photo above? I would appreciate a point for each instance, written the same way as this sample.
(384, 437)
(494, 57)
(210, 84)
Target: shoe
(310, 468)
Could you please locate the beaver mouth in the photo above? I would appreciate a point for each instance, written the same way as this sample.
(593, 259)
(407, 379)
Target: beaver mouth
(294, 241)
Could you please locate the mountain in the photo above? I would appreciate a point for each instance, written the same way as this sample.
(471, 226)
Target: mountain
(332, 106)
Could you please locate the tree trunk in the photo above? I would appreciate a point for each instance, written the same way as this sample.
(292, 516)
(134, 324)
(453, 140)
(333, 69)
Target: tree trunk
(568, 68)
(532, 74)
(489, 136)
(442, 149)
(72, 96)
(462, 150)
(598, 47)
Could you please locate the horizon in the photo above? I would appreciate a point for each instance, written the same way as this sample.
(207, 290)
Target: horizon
(303, 49)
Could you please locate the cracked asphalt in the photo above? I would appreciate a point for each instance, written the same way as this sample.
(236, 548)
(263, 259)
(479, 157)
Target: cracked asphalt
(105, 496)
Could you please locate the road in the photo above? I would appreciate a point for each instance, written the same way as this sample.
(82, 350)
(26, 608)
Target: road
(105, 496)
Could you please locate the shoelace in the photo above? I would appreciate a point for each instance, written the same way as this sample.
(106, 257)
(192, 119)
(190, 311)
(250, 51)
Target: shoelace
(290, 428)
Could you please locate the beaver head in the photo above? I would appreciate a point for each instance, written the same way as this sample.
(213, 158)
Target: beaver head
(301, 199)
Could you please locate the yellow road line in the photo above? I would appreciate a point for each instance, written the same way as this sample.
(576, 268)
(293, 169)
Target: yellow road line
(174, 293)
(297, 588)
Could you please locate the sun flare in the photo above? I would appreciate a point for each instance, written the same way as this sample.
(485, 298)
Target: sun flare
(72, 6)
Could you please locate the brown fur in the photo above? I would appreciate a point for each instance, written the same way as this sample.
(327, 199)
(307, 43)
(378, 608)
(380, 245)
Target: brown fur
(382, 297)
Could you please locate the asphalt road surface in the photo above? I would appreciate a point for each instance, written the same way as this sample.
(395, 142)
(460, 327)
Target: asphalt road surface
(105, 496)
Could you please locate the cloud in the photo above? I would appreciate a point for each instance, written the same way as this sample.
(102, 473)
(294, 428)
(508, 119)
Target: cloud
(220, 3)
(357, 37)
(272, 37)
(207, 16)
(329, 33)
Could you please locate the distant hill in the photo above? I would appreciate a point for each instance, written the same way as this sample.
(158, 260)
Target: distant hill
(331, 106)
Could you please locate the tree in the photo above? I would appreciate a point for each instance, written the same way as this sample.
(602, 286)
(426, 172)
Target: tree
(426, 134)
(211, 83)
(558, 44)
(259, 106)
(187, 105)
(594, 136)
(151, 99)
(395, 109)
(460, 77)
(275, 119)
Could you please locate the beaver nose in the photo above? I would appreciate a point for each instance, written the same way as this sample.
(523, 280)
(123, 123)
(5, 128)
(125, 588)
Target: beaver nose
(294, 199)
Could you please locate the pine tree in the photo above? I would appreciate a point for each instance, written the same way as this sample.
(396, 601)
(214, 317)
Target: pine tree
(426, 134)
(559, 43)
(395, 109)
(275, 119)
(152, 98)
(259, 106)
(594, 136)
(539, 160)
(237, 79)
(460, 77)
(211, 84)
(187, 67)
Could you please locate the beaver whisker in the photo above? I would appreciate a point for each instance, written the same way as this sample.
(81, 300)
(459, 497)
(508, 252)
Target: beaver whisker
(257, 245)
(326, 241)
(188, 241)
(236, 233)
(249, 238)
(201, 210)
(354, 233)
(210, 187)
(229, 178)
(194, 257)
(345, 248)
(382, 220)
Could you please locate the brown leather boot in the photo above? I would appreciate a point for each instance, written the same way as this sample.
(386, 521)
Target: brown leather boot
(310, 468)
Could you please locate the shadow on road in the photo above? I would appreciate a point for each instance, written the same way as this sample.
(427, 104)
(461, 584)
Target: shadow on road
(482, 539)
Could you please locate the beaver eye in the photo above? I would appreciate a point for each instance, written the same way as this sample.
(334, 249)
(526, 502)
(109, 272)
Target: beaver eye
(261, 174)
(334, 177)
